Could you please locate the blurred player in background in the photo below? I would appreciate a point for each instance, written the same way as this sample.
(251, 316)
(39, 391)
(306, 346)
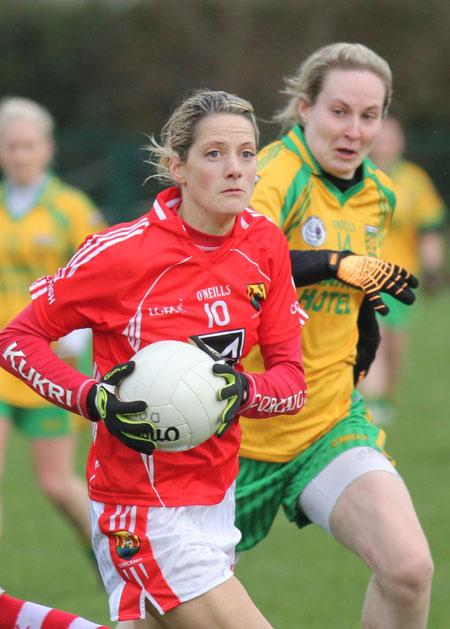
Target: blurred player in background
(42, 222)
(163, 522)
(416, 241)
(327, 465)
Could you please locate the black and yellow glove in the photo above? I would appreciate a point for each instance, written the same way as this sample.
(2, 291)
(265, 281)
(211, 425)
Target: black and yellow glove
(103, 403)
(235, 391)
(373, 275)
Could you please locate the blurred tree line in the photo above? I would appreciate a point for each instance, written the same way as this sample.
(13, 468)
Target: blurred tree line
(110, 71)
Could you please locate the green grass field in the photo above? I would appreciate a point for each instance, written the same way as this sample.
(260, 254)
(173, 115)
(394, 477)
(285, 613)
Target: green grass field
(299, 579)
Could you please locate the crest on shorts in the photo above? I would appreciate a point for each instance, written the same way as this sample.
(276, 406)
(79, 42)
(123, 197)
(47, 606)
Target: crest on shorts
(256, 293)
(127, 544)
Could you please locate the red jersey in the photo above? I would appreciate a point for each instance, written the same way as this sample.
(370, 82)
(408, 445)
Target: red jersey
(145, 281)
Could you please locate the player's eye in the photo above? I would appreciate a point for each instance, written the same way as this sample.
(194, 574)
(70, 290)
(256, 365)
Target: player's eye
(370, 116)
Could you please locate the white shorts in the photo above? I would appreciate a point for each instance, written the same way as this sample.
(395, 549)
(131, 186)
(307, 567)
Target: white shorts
(167, 555)
(320, 495)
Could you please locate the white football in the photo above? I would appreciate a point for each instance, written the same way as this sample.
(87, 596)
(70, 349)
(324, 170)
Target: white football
(178, 384)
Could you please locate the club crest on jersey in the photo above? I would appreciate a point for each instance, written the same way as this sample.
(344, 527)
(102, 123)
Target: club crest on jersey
(256, 293)
(127, 544)
(314, 232)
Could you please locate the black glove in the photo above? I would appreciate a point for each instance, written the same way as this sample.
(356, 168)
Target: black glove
(368, 341)
(102, 403)
(373, 275)
(235, 391)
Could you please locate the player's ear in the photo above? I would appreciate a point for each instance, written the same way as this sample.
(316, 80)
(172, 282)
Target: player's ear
(303, 108)
(176, 168)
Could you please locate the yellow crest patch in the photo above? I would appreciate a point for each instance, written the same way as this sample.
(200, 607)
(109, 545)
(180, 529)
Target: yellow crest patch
(127, 544)
(256, 293)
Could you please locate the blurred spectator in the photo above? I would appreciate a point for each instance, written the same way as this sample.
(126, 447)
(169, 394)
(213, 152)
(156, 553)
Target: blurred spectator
(416, 242)
(42, 220)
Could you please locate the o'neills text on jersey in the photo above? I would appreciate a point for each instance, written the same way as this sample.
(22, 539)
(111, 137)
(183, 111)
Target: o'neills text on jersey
(51, 391)
(213, 292)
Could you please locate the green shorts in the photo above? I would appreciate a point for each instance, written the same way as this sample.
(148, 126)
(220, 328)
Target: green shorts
(39, 423)
(262, 487)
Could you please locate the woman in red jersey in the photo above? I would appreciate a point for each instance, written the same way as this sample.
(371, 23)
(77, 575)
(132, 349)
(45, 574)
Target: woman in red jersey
(202, 247)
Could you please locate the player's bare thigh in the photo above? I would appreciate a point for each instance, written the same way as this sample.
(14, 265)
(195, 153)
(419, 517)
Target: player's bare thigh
(227, 606)
(376, 512)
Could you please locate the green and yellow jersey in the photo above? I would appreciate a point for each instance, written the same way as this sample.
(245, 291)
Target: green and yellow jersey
(419, 207)
(33, 245)
(314, 214)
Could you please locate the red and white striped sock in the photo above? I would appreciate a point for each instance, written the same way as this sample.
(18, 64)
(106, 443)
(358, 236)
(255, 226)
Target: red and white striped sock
(18, 614)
